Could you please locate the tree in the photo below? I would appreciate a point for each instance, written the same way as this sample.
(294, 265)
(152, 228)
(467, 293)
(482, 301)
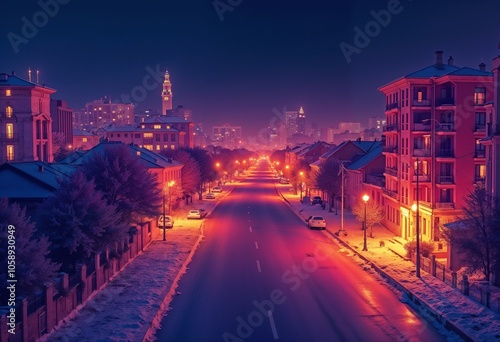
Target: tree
(190, 174)
(125, 182)
(477, 235)
(374, 213)
(295, 177)
(328, 179)
(59, 148)
(78, 221)
(205, 162)
(32, 266)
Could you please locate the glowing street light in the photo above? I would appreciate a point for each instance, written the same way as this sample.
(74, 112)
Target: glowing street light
(301, 181)
(365, 199)
(415, 208)
(169, 184)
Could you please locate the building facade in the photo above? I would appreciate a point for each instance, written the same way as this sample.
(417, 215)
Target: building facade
(62, 120)
(166, 94)
(25, 122)
(103, 112)
(435, 123)
(226, 136)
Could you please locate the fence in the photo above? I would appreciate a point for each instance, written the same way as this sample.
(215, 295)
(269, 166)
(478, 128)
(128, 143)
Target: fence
(37, 315)
(480, 292)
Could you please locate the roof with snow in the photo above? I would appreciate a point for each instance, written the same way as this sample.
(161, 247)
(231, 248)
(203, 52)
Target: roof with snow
(365, 146)
(32, 179)
(366, 158)
(14, 81)
(166, 119)
(149, 158)
(81, 132)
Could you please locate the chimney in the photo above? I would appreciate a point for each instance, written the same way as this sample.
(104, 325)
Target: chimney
(450, 61)
(13, 73)
(482, 67)
(439, 59)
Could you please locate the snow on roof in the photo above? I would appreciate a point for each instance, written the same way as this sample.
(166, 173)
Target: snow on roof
(365, 146)
(166, 119)
(149, 158)
(14, 81)
(83, 133)
(366, 158)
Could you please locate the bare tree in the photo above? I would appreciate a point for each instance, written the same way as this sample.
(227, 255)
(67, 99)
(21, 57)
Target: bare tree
(33, 267)
(328, 179)
(190, 174)
(477, 235)
(374, 213)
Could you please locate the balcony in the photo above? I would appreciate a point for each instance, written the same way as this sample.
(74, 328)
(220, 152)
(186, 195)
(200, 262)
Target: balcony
(445, 205)
(480, 154)
(445, 180)
(391, 106)
(421, 127)
(479, 179)
(422, 178)
(445, 101)
(421, 103)
(390, 149)
(421, 152)
(392, 172)
(480, 128)
(391, 128)
(391, 193)
(377, 180)
(445, 127)
(445, 153)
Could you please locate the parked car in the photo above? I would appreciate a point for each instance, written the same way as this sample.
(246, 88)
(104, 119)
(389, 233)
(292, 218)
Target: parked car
(194, 214)
(284, 181)
(210, 196)
(169, 221)
(316, 222)
(317, 200)
(217, 189)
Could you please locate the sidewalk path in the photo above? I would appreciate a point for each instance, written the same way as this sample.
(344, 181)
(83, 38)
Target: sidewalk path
(469, 319)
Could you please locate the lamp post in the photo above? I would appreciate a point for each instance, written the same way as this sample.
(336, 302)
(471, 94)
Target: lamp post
(169, 184)
(301, 175)
(416, 208)
(164, 226)
(365, 199)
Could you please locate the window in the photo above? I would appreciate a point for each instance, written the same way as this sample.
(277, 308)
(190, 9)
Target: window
(479, 96)
(157, 137)
(8, 112)
(158, 147)
(480, 172)
(480, 123)
(10, 152)
(480, 149)
(84, 139)
(9, 131)
(148, 135)
(446, 196)
(172, 137)
(149, 147)
(7, 92)
(157, 126)
(118, 135)
(137, 136)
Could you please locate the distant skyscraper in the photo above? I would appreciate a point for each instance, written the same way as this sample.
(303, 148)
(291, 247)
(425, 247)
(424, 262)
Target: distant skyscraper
(377, 122)
(166, 95)
(181, 112)
(295, 122)
(226, 136)
(102, 112)
(301, 122)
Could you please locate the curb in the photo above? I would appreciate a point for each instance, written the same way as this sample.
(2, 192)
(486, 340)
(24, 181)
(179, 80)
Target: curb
(163, 309)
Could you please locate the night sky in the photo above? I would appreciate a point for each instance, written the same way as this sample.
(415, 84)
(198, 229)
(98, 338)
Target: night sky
(262, 55)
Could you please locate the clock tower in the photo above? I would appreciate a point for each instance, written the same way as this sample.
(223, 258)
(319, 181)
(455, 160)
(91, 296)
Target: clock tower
(166, 95)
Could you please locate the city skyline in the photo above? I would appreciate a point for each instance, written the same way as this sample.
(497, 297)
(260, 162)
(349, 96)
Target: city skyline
(232, 63)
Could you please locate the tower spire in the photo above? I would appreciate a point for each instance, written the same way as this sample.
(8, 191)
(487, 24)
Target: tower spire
(166, 94)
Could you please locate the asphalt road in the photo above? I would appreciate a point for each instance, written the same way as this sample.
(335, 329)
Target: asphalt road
(262, 275)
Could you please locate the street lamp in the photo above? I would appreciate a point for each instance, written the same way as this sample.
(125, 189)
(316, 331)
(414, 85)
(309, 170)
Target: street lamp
(365, 199)
(169, 184)
(301, 175)
(415, 208)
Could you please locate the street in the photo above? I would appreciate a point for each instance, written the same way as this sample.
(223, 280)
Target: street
(261, 275)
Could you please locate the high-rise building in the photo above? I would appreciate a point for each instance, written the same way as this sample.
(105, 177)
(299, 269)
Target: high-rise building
(435, 124)
(226, 136)
(25, 122)
(295, 122)
(166, 94)
(102, 112)
(181, 112)
(301, 122)
(62, 120)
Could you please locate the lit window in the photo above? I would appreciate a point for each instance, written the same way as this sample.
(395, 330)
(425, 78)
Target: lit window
(10, 152)
(8, 112)
(7, 92)
(149, 147)
(148, 135)
(172, 147)
(158, 147)
(479, 96)
(157, 126)
(84, 139)
(9, 129)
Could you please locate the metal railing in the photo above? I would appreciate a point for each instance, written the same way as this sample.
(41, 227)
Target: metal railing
(445, 101)
(392, 172)
(416, 102)
(445, 179)
(421, 152)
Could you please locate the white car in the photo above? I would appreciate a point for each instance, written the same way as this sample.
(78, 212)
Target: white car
(210, 196)
(316, 222)
(169, 222)
(194, 214)
(217, 189)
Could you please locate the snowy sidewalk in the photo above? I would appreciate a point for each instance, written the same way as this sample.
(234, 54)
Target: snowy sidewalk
(436, 299)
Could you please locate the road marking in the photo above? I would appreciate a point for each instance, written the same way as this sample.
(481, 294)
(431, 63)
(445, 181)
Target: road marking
(256, 245)
(250, 229)
(273, 326)
(258, 266)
